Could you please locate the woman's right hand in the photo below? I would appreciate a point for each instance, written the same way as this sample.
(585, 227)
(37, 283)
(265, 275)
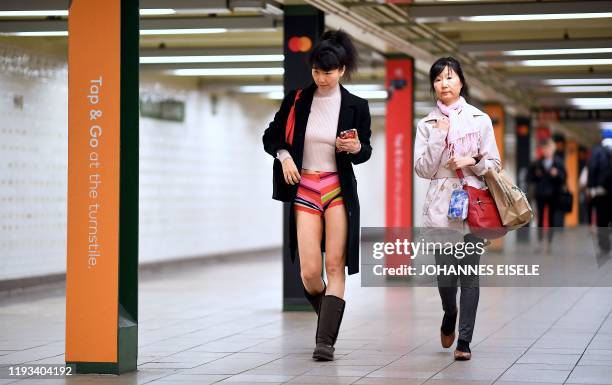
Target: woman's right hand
(290, 172)
(443, 124)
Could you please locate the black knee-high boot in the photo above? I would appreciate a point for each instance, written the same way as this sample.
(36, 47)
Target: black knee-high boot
(315, 300)
(330, 318)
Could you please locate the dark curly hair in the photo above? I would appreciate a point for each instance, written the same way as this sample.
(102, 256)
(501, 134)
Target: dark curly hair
(452, 63)
(334, 51)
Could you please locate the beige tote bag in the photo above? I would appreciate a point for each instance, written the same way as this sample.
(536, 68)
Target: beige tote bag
(512, 204)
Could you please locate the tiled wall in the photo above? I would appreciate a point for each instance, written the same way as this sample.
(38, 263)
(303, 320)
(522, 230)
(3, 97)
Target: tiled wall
(205, 184)
(33, 159)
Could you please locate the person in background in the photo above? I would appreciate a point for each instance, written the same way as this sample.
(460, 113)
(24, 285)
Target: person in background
(599, 189)
(548, 175)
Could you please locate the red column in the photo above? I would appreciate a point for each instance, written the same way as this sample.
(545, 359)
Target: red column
(399, 121)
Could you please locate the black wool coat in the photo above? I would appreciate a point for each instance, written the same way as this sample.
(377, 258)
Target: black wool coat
(354, 113)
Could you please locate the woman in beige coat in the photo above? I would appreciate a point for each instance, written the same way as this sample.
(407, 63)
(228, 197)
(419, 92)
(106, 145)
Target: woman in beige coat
(455, 135)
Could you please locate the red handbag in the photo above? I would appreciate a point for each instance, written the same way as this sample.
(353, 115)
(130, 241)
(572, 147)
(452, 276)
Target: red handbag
(281, 191)
(483, 216)
(290, 125)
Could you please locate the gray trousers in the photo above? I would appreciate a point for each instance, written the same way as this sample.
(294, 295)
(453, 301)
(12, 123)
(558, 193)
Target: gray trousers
(470, 289)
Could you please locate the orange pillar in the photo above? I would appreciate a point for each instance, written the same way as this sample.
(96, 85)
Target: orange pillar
(571, 165)
(498, 116)
(102, 223)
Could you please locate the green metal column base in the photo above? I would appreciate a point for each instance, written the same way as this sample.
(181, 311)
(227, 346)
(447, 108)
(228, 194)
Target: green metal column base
(128, 342)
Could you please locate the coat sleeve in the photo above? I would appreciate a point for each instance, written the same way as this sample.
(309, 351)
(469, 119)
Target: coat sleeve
(487, 151)
(274, 136)
(428, 148)
(593, 166)
(364, 132)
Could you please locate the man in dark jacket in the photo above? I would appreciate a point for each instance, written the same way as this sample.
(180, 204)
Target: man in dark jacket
(548, 174)
(599, 189)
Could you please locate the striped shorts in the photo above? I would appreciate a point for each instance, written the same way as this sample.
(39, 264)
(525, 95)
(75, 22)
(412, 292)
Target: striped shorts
(318, 192)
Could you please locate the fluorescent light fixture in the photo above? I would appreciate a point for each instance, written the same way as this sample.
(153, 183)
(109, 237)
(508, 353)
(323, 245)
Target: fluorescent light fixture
(64, 12)
(592, 103)
(571, 82)
(227, 71)
(57, 12)
(364, 87)
(161, 11)
(261, 89)
(563, 62)
(186, 31)
(36, 33)
(567, 51)
(362, 94)
(142, 32)
(276, 95)
(371, 94)
(550, 16)
(570, 89)
(211, 59)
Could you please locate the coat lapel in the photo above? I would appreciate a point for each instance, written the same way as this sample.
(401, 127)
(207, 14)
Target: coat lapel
(345, 119)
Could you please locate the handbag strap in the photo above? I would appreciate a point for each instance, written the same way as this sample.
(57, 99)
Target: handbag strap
(290, 125)
(460, 176)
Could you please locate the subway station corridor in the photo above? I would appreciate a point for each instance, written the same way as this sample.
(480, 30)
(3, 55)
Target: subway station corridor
(163, 162)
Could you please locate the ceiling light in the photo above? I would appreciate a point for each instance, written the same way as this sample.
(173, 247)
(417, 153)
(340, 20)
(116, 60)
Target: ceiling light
(569, 82)
(278, 88)
(186, 31)
(276, 95)
(550, 16)
(592, 103)
(58, 12)
(228, 71)
(562, 62)
(260, 89)
(364, 87)
(142, 32)
(371, 94)
(35, 33)
(161, 11)
(64, 12)
(570, 89)
(210, 59)
(362, 94)
(567, 51)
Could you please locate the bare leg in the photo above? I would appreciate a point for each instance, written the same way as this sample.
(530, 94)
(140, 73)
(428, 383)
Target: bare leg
(309, 234)
(336, 226)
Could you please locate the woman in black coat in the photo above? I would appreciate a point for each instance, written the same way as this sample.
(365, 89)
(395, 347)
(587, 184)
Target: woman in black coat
(330, 134)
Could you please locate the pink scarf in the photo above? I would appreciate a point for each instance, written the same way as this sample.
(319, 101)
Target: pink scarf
(463, 136)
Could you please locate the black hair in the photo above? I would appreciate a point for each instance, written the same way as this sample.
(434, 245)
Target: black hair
(452, 63)
(334, 51)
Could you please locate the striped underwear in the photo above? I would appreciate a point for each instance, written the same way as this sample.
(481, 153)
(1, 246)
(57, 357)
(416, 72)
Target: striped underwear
(318, 192)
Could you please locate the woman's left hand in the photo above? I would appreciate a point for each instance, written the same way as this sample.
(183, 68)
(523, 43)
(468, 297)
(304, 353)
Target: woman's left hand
(460, 161)
(352, 145)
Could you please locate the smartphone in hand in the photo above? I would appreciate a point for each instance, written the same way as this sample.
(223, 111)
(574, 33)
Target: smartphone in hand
(348, 134)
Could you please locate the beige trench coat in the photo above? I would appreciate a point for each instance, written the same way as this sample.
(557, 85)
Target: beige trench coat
(430, 152)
